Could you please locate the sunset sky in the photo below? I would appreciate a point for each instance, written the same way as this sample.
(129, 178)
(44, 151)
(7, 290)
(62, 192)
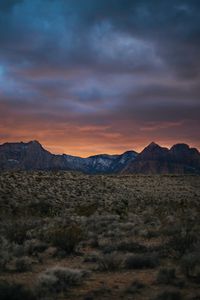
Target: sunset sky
(100, 76)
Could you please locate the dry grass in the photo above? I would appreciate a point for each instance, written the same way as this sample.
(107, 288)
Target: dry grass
(106, 225)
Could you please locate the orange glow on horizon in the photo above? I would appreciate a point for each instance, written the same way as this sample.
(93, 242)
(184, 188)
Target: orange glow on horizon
(86, 153)
(88, 140)
(90, 149)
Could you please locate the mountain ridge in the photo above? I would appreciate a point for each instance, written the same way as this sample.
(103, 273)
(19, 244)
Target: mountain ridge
(153, 159)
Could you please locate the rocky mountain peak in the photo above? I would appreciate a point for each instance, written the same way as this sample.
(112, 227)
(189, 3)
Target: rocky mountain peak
(154, 159)
(152, 145)
(180, 148)
(153, 151)
(34, 142)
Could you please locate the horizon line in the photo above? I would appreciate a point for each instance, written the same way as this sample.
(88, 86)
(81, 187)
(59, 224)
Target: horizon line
(130, 150)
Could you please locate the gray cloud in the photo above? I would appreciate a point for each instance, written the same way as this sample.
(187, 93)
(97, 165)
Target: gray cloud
(8, 5)
(112, 63)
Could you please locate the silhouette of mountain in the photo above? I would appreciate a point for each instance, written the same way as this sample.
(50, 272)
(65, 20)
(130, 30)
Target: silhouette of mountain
(180, 159)
(32, 156)
(154, 159)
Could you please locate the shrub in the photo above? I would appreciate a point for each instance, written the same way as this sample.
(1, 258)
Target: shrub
(23, 264)
(42, 208)
(17, 231)
(109, 262)
(182, 242)
(166, 276)
(190, 265)
(152, 233)
(13, 291)
(140, 261)
(91, 257)
(34, 246)
(5, 253)
(58, 279)
(131, 246)
(18, 250)
(86, 210)
(67, 238)
(108, 248)
(169, 295)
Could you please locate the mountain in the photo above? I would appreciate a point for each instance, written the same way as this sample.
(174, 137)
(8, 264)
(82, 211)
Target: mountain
(24, 156)
(183, 154)
(32, 156)
(154, 159)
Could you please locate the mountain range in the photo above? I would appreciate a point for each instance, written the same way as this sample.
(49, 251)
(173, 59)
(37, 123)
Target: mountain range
(154, 159)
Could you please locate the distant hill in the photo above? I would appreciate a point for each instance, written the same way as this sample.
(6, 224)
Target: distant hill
(180, 159)
(154, 159)
(32, 156)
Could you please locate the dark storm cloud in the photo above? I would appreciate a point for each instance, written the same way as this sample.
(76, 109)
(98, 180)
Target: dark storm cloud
(7, 5)
(61, 32)
(116, 64)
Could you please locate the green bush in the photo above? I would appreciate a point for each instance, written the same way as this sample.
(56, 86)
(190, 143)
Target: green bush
(66, 238)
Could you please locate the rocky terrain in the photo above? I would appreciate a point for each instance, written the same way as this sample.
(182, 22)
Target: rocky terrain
(69, 236)
(180, 159)
(32, 156)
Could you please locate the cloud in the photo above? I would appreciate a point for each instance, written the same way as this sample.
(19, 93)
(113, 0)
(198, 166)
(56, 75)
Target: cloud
(8, 5)
(129, 68)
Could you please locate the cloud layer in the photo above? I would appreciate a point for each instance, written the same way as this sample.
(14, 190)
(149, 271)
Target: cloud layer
(85, 76)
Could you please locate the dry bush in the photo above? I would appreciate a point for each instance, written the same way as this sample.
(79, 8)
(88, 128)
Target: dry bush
(91, 257)
(166, 276)
(40, 208)
(110, 262)
(139, 215)
(141, 261)
(23, 264)
(169, 295)
(17, 231)
(131, 246)
(125, 245)
(58, 279)
(86, 210)
(66, 238)
(182, 242)
(5, 253)
(190, 264)
(34, 246)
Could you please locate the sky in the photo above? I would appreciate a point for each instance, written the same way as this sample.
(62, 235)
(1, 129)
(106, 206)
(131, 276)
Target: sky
(100, 76)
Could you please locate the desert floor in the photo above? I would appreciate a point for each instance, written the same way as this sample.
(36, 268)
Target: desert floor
(72, 236)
